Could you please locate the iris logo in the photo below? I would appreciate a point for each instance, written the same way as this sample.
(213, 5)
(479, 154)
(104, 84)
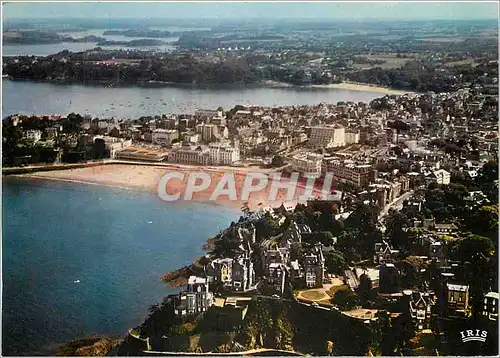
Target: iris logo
(473, 335)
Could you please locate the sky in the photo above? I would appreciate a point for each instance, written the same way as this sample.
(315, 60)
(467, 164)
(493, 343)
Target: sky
(403, 10)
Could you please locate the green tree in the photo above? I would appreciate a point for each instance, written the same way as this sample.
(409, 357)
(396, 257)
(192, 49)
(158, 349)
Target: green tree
(365, 290)
(345, 299)
(335, 262)
(395, 223)
(472, 247)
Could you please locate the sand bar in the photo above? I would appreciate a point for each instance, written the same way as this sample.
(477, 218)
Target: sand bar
(350, 86)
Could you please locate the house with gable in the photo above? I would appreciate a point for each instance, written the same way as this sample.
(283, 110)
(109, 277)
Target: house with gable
(195, 299)
(420, 307)
(314, 267)
(293, 234)
(243, 274)
(220, 270)
(490, 309)
(384, 253)
(276, 277)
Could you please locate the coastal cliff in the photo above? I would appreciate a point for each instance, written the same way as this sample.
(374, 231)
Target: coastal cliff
(266, 325)
(89, 347)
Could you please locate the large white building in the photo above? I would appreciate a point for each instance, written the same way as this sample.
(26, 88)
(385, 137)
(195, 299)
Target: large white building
(359, 175)
(190, 155)
(114, 145)
(306, 163)
(164, 136)
(216, 154)
(327, 136)
(223, 154)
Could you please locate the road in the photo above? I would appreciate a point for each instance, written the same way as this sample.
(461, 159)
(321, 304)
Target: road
(395, 204)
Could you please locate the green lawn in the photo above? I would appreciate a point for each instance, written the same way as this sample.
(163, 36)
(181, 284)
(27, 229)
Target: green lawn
(313, 295)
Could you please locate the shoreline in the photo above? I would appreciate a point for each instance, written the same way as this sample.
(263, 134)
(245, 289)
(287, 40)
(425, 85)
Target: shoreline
(225, 204)
(146, 178)
(348, 86)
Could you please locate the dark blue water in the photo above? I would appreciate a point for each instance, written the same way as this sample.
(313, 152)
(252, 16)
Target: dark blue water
(55, 233)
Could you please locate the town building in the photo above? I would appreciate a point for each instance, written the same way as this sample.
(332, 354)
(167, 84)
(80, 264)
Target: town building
(352, 137)
(306, 163)
(441, 176)
(293, 234)
(243, 274)
(208, 132)
(490, 307)
(208, 113)
(141, 154)
(188, 154)
(276, 277)
(164, 136)
(33, 135)
(113, 145)
(388, 278)
(420, 307)
(327, 136)
(223, 154)
(348, 172)
(384, 253)
(436, 249)
(221, 270)
(457, 299)
(314, 268)
(195, 299)
(52, 132)
(271, 257)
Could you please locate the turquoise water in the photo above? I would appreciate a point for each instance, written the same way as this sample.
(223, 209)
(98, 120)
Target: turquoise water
(118, 243)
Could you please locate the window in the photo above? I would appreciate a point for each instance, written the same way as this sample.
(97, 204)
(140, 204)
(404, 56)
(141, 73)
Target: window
(494, 302)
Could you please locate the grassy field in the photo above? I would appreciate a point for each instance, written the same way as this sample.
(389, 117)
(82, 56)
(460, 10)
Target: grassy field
(314, 295)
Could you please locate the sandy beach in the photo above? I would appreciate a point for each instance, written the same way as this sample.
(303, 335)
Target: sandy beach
(147, 178)
(350, 86)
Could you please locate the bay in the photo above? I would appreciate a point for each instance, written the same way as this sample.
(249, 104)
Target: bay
(117, 243)
(132, 102)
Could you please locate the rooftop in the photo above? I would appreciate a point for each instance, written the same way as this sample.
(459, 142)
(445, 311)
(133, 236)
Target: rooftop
(455, 287)
(196, 280)
(495, 295)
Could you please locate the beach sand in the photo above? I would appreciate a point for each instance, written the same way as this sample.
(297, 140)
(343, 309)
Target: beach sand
(147, 178)
(350, 86)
